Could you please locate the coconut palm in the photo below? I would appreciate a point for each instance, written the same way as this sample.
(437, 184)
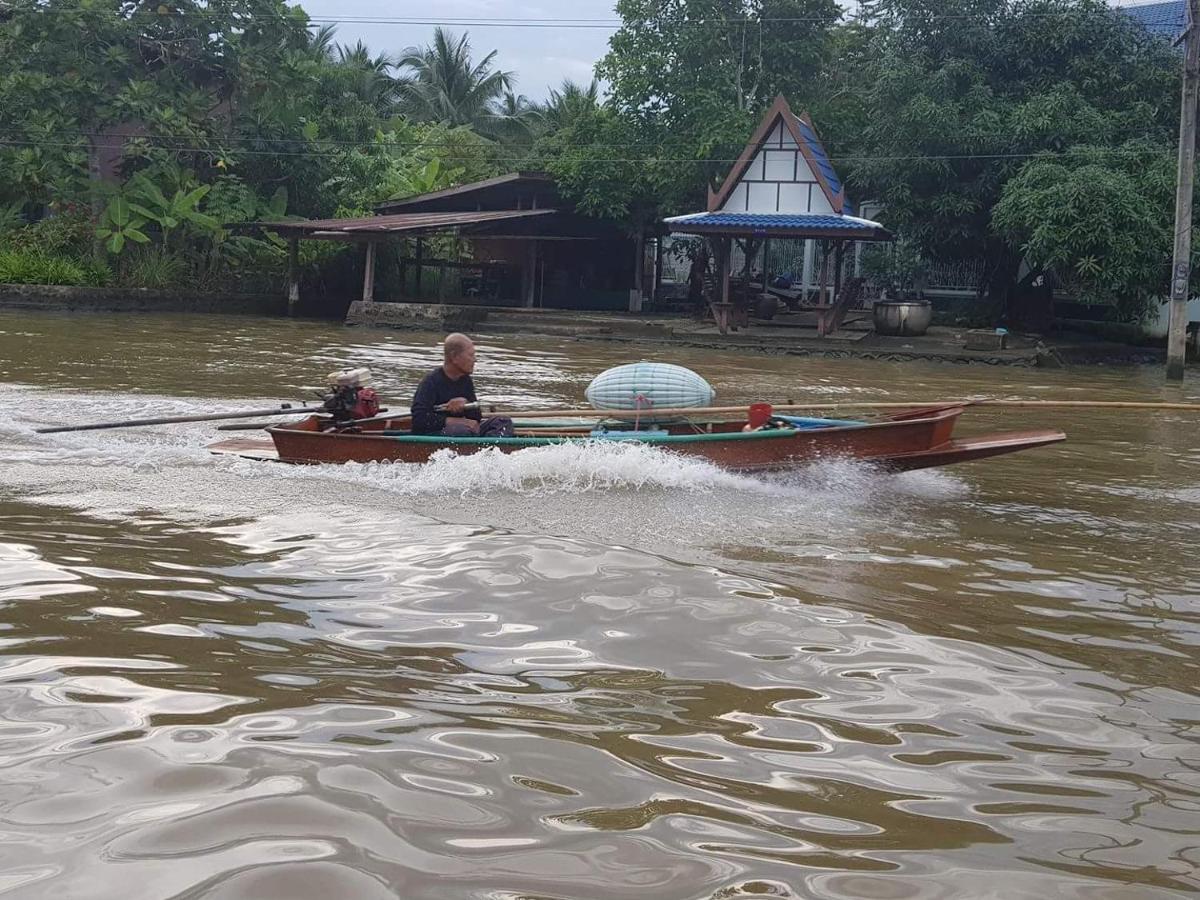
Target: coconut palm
(448, 87)
(369, 78)
(567, 103)
(321, 42)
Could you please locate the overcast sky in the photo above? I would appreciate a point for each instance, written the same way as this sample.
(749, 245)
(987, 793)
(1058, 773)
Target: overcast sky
(541, 57)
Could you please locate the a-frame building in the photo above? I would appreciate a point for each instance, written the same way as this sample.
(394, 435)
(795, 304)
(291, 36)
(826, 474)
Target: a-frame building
(782, 186)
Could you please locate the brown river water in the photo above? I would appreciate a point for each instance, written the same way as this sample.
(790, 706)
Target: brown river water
(583, 672)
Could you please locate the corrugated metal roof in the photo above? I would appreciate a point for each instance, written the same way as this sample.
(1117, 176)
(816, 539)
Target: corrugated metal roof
(780, 224)
(1167, 20)
(401, 222)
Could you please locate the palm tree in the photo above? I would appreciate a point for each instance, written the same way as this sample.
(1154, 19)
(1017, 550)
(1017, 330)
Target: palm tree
(446, 86)
(568, 103)
(367, 77)
(321, 43)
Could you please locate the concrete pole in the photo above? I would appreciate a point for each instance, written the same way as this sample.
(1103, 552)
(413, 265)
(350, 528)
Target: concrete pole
(293, 274)
(639, 271)
(1181, 269)
(369, 274)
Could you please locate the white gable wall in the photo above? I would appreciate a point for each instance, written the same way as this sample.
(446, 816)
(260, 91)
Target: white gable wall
(778, 180)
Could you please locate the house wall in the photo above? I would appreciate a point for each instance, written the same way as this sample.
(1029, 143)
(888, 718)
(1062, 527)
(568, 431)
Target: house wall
(779, 180)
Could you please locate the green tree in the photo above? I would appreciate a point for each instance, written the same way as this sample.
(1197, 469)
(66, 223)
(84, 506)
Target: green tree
(1097, 219)
(959, 97)
(691, 77)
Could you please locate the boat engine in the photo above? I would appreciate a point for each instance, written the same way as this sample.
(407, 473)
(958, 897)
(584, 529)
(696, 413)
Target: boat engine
(348, 397)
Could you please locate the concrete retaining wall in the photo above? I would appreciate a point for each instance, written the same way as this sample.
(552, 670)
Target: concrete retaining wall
(420, 316)
(53, 298)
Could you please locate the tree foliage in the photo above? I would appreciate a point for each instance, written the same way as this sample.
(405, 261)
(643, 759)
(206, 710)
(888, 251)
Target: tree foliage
(961, 97)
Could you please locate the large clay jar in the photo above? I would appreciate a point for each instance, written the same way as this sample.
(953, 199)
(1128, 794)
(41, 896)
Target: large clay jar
(768, 305)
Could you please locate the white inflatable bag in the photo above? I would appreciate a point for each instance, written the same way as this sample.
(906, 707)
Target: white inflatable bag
(647, 386)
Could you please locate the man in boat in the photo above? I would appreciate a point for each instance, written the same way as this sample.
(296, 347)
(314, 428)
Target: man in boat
(445, 401)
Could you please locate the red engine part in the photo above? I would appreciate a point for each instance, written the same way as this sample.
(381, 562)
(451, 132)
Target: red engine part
(367, 405)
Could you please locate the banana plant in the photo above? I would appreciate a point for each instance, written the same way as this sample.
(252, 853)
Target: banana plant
(169, 213)
(119, 224)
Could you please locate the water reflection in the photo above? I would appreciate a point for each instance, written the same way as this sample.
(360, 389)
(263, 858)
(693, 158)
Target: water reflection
(583, 675)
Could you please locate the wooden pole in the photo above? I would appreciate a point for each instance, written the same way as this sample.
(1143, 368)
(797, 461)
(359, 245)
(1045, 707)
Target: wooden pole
(285, 410)
(529, 275)
(293, 274)
(824, 273)
(403, 269)
(1181, 269)
(420, 266)
(723, 266)
(849, 404)
(368, 293)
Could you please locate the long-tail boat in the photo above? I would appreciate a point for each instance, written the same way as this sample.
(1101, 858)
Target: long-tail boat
(915, 439)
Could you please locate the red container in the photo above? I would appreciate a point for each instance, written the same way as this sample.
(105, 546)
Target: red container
(760, 414)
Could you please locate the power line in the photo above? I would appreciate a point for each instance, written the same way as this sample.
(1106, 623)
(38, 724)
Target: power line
(1115, 151)
(565, 22)
(114, 141)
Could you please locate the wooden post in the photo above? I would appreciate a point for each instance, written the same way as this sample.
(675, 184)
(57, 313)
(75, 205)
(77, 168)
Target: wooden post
(368, 293)
(403, 269)
(1181, 270)
(724, 258)
(838, 261)
(420, 266)
(824, 274)
(639, 271)
(766, 266)
(293, 274)
(529, 275)
(806, 277)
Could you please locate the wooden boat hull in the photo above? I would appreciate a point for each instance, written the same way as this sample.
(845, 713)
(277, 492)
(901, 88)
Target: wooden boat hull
(763, 450)
(914, 439)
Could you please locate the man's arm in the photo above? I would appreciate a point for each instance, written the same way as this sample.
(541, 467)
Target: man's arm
(469, 395)
(425, 420)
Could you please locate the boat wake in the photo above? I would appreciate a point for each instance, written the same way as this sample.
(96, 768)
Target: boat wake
(616, 493)
(604, 467)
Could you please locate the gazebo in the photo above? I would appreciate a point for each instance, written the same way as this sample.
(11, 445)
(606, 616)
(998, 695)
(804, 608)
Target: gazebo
(782, 186)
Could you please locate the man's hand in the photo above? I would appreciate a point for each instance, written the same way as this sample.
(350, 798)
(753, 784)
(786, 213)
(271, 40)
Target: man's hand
(455, 407)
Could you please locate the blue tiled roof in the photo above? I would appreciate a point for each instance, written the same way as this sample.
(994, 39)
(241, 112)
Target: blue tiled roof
(1166, 20)
(775, 222)
(819, 155)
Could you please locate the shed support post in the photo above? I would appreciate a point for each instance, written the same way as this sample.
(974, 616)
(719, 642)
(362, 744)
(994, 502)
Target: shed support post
(368, 292)
(293, 275)
(420, 266)
(529, 275)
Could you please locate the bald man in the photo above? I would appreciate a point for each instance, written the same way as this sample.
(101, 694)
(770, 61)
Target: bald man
(440, 404)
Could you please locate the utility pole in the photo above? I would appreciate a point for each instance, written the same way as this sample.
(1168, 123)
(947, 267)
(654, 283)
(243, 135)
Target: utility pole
(1181, 268)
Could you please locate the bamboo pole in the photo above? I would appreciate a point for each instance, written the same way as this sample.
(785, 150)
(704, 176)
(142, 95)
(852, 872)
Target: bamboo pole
(841, 404)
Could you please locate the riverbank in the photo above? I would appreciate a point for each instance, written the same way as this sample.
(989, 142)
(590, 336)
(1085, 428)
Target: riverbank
(791, 335)
(62, 298)
(785, 335)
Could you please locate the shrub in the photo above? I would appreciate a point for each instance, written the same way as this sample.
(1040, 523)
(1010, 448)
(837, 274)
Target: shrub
(36, 267)
(153, 268)
(69, 234)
